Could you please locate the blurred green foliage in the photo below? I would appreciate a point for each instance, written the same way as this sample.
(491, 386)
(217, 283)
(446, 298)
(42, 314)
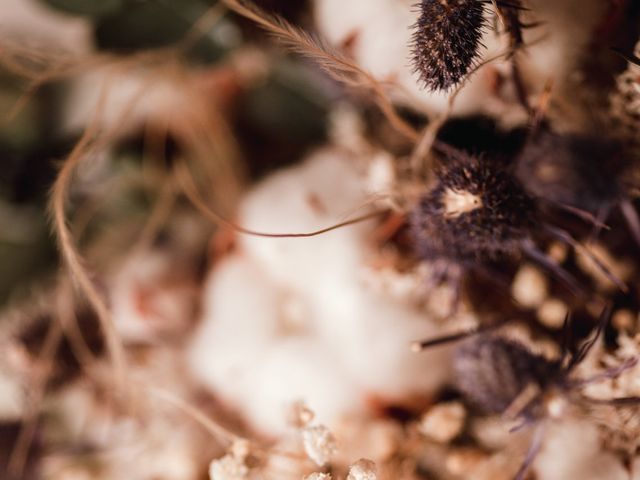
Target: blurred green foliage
(92, 8)
(130, 25)
(276, 121)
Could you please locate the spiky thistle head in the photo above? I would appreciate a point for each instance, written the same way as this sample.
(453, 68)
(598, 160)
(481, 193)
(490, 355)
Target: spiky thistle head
(446, 41)
(477, 211)
(491, 371)
(584, 171)
(504, 376)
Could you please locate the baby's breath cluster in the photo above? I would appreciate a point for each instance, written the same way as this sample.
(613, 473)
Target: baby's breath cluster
(319, 443)
(231, 466)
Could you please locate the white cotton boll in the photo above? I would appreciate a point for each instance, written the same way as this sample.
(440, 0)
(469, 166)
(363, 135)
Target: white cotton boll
(300, 369)
(318, 193)
(292, 319)
(370, 333)
(324, 190)
(157, 443)
(375, 346)
(239, 322)
(242, 352)
(572, 450)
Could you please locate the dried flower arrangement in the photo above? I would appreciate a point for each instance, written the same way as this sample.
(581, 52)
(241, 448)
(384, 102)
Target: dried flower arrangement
(454, 176)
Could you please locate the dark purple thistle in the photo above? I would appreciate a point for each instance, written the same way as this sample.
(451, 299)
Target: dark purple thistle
(502, 376)
(446, 41)
(583, 171)
(491, 371)
(588, 172)
(477, 211)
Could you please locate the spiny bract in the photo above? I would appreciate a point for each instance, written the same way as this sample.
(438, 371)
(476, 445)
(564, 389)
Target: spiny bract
(477, 211)
(446, 41)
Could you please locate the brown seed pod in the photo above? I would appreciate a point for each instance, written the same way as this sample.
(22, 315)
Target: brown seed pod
(446, 41)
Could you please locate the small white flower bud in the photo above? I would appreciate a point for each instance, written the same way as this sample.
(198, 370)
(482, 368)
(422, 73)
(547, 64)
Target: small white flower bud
(229, 467)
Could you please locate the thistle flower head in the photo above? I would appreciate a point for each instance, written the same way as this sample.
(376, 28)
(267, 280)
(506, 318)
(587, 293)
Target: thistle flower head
(476, 211)
(446, 41)
(492, 371)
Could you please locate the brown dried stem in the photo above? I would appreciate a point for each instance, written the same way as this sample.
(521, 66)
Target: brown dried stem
(331, 61)
(190, 190)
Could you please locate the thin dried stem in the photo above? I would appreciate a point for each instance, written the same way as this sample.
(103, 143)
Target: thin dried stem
(216, 430)
(70, 255)
(191, 192)
(58, 70)
(90, 142)
(565, 237)
(331, 61)
(204, 24)
(155, 141)
(40, 68)
(159, 215)
(420, 159)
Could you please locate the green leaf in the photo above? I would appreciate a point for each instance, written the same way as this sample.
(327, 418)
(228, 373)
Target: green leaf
(90, 8)
(154, 24)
